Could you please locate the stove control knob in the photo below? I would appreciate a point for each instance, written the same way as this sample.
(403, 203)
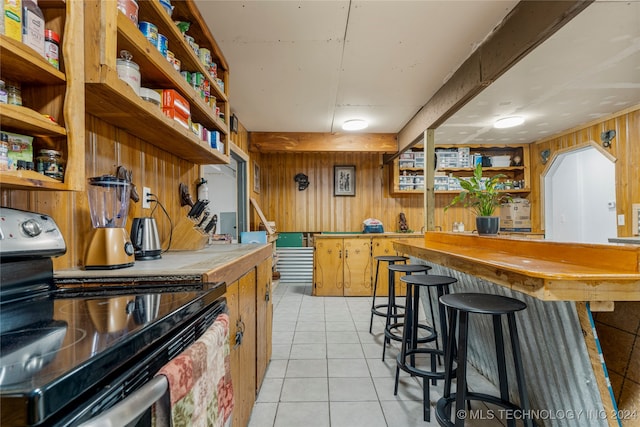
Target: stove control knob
(31, 228)
(128, 248)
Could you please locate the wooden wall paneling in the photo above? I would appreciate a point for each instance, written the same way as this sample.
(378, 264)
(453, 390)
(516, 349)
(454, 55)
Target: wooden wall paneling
(241, 138)
(632, 135)
(624, 147)
(105, 148)
(316, 208)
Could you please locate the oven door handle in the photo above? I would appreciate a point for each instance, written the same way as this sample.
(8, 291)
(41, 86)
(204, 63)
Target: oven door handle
(133, 406)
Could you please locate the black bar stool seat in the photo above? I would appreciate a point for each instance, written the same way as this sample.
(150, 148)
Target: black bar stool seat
(459, 306)
(392, 330)
(410, 334)
(381, 309)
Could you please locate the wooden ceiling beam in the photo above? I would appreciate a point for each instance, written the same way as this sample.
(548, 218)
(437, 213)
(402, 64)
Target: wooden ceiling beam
(300, 142)
(528, 25)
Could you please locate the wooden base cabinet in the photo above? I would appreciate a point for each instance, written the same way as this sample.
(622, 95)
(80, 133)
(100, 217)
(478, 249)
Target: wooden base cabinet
(241, 300)
(346, 266)
(264, 320)
(381, 246)
(250, 324)
(342, 267)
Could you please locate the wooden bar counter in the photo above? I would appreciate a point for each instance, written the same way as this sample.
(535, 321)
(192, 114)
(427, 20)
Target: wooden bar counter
(562, 285)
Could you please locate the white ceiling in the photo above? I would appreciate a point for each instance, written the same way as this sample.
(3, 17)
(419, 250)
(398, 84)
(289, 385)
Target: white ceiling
(587, 70)
(291, 70)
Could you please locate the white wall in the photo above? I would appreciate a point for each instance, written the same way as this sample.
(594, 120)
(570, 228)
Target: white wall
(222, 189)
(580, 197)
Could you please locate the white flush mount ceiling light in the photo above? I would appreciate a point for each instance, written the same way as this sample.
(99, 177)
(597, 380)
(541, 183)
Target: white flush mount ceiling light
(508, 122)
(355, 124)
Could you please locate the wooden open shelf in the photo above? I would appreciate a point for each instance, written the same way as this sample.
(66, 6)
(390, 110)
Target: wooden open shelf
(158, 73)
(30, 180)
(152, 11)
(25, 120)
(513, 191)
(21, 63)
(115, 102)
(51, 91)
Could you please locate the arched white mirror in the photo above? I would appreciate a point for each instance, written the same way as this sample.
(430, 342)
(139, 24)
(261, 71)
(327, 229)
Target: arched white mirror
(580, 196)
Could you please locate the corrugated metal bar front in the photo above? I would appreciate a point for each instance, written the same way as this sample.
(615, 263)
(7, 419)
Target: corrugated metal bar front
(561, 383)
(295, 265)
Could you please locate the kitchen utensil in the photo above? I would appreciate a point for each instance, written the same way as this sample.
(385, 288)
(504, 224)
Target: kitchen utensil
(211, 227)
(145, 238)
(110, 247)
(204, 218)
(197, 209)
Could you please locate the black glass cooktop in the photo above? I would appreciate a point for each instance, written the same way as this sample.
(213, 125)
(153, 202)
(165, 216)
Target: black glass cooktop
(58, 345)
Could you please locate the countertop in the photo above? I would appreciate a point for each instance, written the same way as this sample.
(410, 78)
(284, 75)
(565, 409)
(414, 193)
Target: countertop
(214, 263)
(628, 240)
(544, 269)
(364, 235)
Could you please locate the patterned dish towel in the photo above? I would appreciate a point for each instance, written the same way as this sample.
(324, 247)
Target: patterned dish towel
(200, 388)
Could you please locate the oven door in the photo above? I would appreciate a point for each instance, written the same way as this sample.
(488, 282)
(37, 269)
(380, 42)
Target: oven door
(127, 399)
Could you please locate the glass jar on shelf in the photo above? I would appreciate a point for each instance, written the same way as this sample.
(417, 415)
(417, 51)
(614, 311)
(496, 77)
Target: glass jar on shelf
(14, 95)
(3, 92)
(50, 163)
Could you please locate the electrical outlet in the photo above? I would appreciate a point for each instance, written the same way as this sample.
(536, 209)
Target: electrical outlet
(146, 198)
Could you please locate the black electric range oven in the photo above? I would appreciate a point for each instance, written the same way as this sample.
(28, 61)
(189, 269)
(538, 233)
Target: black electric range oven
(70, 354)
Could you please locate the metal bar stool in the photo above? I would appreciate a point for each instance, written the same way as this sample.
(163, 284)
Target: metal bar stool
(377, 309)
(410, 334)
(459, 306)
(391, 329)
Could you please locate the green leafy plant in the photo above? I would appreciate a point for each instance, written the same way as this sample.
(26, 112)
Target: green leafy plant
(481, 196)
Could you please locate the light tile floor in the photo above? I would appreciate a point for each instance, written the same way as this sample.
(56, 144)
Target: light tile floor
(327, 369)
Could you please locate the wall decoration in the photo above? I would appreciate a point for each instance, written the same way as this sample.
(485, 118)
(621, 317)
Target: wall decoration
(302, 180)
(344, 180)
(256, 177)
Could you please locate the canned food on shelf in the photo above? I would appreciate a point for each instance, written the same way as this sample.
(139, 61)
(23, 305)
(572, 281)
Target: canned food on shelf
(52, 47)
(130, 9)
(150, 32)
(163, 44)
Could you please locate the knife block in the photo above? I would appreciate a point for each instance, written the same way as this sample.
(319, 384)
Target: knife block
(186, 237)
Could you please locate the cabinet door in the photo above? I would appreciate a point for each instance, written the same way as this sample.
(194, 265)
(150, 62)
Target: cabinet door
(357, 267)
(246, 390)
(381, 246)
(328, 267)
(235, 344)
(264, 320)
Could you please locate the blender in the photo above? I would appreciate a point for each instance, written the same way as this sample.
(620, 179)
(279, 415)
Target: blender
(110, 246)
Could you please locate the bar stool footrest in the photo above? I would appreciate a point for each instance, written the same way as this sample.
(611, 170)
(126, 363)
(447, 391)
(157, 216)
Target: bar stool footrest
(444, 403)
(419, 372)
(375, 310)
(396, 336)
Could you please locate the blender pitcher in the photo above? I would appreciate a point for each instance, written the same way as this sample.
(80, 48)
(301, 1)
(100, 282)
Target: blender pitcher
(110, 246)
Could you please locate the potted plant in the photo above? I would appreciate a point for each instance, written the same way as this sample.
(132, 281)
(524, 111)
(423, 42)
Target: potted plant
(482, 196)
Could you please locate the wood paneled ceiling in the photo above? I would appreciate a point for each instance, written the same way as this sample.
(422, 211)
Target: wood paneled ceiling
(307, 66)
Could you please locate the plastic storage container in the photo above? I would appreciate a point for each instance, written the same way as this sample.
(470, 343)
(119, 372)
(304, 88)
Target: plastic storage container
(33, 26)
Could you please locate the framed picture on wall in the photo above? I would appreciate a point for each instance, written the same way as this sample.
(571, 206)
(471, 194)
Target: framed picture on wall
(256, 177)
(344, 180)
